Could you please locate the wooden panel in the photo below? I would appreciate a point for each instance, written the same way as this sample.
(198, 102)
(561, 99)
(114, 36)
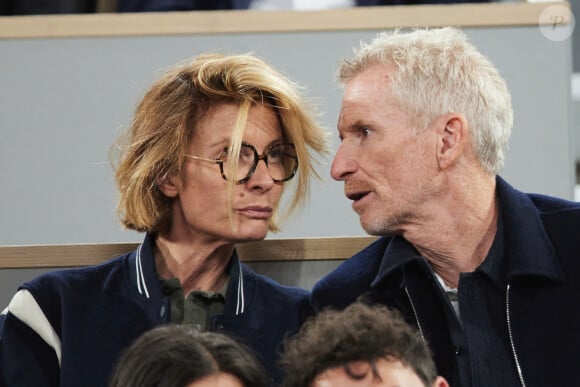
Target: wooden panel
(303, 248)
(267, 250)
(246, 21)
(60, 255)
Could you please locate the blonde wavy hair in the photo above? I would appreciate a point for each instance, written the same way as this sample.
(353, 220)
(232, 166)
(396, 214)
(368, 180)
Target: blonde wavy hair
(165, 120)
(438, 71)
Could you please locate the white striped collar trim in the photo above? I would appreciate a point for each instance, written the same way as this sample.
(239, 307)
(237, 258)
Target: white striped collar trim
(143, 290)
(141, 284)
(240, 304)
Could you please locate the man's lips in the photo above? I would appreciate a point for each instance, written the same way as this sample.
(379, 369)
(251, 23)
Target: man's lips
(256, 212)
(356, 195)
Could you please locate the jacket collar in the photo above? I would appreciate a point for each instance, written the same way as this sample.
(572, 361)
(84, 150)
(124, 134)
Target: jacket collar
(398, 253)
(142, 270)
(527, 247)
(240, 287)
(143, 276)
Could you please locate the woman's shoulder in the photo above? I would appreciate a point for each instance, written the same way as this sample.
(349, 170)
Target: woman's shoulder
(267, 284)
(79, 281)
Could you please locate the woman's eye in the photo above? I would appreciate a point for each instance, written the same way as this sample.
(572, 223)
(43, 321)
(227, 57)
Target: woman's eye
(223, 156)
(246, 154)
(275, 153)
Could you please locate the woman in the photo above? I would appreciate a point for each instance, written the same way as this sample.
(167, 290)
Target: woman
(177, 356)
(203, 166)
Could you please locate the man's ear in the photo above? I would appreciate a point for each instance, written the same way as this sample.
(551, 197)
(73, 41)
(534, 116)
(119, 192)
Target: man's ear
(167, 185)
(452, 134)
(440, 382)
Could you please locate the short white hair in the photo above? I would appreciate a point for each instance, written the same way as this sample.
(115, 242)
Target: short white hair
(437, 71)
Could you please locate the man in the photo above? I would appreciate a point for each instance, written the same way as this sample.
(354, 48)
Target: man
(359, 346)
(488, 274)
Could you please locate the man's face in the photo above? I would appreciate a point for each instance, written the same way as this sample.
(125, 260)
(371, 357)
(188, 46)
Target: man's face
(387, 166)
(392, 373)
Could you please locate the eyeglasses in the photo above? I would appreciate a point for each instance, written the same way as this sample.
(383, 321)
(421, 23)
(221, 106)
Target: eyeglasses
(280, 159)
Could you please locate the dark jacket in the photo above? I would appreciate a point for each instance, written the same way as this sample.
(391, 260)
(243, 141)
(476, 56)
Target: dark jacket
(541, 311)
(93, 313)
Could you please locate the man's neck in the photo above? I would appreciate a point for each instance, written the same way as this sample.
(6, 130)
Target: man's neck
(459, 230)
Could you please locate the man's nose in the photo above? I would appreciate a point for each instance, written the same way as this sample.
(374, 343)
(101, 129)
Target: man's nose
(344, 163)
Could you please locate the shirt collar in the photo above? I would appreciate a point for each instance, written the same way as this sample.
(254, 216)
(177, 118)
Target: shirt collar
(172, 284)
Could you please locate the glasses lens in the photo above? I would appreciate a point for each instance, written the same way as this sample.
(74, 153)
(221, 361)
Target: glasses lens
(246, 162)
(282, 162)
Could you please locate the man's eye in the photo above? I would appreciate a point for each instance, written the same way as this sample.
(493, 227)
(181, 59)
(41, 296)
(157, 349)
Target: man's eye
(364, 131)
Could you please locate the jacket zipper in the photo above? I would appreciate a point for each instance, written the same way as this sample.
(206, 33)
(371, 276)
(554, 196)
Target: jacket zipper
(509, 326)
(415, 313)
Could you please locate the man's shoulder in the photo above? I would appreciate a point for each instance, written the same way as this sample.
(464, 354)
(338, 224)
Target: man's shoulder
(351, 278)
(558, 215)
(553, 206)
(548, 204)
(545, 205)
(364, 263)
(561, 221)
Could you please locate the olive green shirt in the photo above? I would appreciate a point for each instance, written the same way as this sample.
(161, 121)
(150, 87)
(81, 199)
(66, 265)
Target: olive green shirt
(198, 308)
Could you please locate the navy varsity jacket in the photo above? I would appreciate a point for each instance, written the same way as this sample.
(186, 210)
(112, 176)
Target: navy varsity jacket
(67, 328)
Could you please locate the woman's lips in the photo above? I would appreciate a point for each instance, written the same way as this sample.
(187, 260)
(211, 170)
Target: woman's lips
(256, 212)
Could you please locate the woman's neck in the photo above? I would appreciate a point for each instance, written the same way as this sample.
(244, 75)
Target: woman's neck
(197, 265)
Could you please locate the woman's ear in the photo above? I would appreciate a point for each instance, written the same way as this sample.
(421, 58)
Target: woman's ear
(167, 186)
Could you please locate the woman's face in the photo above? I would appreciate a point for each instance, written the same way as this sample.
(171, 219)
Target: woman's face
(200, 205)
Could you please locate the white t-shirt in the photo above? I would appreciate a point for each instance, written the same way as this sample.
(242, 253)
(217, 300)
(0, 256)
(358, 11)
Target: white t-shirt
(451, 294)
